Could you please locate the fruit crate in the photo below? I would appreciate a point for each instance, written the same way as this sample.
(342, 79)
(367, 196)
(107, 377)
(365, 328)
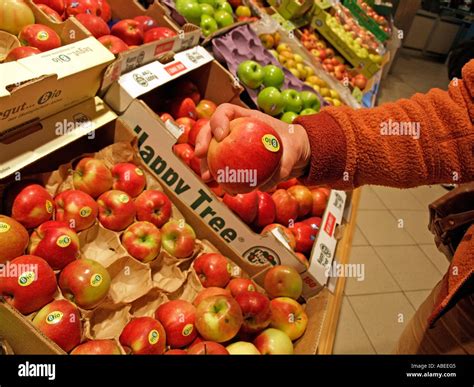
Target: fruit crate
(319, 22)
(292, 9)
(365, 20)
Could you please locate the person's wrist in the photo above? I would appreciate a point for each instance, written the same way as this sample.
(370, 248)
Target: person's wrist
(305, 149)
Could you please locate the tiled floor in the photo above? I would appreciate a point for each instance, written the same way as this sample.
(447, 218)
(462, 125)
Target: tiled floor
(400, 259)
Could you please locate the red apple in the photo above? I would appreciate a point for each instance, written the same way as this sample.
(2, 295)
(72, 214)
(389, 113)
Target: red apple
(56, 243)
(75, 7)
(185, 152)
(113, 44)
(153, 206)
(92, 176)
(244, 205)
(273, 342)
(286, 207)
(176, 352)
(116, 210)
(142, 240)
(28, 283)
(186, 88)
(33, 206)
(97, 347)
(209, 292)
(198, 125)
(218, 318)
(85, 282)
(13, 239)
(288, 316)
(207, 348)
(305, 236)
(259, 153)
(51, 13)
(314, 222)
(320, 201)
(146, 22)
(195, 165)
(178, 319)
(266, 210)
(61, 322)
(178, 238)
(105, 11)
(57, 5)
(185, 124)
(255, 308)
(239, 285)
(76, 208)
(183, 107)
(304, 198)
(129, 31)
(158, 33)
(129, 178)
(144, 336)
(21, 52)
(205, 108)
(216, 188)
(94, 24)
(283, 281)
(40, 36)
(213, 270)
(287, 234)
(302, 258)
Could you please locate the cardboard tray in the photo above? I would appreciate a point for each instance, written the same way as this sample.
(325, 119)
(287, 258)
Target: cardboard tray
(36, 87)
(24, 338)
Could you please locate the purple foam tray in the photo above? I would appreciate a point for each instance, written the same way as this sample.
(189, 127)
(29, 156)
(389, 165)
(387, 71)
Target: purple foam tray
(242, 43)
(174, 13)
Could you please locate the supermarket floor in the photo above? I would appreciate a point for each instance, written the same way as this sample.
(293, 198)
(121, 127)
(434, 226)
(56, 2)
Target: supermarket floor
(402, 265)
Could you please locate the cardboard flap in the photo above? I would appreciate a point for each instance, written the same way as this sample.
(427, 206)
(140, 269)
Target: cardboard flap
(13, 74)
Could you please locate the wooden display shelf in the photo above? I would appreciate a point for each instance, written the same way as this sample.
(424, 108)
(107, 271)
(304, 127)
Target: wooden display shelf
(331, 319)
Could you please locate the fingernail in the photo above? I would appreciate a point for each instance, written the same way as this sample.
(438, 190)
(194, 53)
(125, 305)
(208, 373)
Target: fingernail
(219, 133)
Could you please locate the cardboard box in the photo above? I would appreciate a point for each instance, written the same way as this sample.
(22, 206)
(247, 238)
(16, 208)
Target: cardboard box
(36, 87)
(257, 253)
(187, 37)
(24, 338)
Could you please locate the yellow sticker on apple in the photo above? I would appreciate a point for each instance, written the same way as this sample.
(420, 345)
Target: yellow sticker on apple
(64, 241)
(42, 35)
(251, 288)
(229, 268)
(26, 278)
(54, 317)
(96, 280)
(49, 206)
(4, 227)
(85, 212)
(187, 330)
(123, 198)
(153, 337)
(138, 171)
(271, 143)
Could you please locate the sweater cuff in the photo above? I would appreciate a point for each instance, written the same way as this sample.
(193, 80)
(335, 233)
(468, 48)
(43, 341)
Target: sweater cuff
(328, 148)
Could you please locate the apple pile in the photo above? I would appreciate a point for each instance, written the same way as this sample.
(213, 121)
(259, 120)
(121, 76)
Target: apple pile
(334, 65)
(212, 15)
(379, 19)
(296, 64)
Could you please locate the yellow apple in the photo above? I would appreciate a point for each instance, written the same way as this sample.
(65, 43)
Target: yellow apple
(309, 70)
(283, 47)
(295, 72)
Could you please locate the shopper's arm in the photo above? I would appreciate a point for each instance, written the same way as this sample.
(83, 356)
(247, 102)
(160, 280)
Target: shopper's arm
(350, 147)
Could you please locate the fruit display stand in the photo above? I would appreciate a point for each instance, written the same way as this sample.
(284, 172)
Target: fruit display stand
(38, 86)
(366, 21)
(187, 36)
(136, 288)
(362, 62)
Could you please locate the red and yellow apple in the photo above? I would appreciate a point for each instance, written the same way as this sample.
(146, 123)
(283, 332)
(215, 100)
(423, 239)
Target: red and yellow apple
(178, 238)
(13, 239)
(97, 347)
(288, 316)
(153, 206)
(142, 240)
(177, 318)
(116, 210)
(76, 208)
(255, 308)
(143, 336)
(213, 269)
(283, 281)
(209, 292)
(92, 176)
(274, 342)
(129, 178)
(33, 206)
(239, 285)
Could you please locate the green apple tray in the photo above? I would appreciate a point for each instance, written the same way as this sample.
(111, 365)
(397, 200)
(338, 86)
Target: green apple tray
(242, 43)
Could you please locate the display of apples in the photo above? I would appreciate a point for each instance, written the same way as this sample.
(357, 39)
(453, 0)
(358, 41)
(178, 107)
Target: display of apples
(13, 239)
(213, 270)
(40, 36)
(143, 336)
(32, 206)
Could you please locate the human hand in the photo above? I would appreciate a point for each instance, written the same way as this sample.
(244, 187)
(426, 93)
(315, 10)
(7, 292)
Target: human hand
(296, 148)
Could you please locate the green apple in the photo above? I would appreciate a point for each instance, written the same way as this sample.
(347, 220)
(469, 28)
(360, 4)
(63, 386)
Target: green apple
(274, 76)
(269, 100)
(310, 100)
(223, 18)
(223, 5)
(190, 10)
(212, 3)
(288, 117)
(206, 9)
(307, 112)
(292, 101)
(243, 11)
(250, 74)
(208, 25)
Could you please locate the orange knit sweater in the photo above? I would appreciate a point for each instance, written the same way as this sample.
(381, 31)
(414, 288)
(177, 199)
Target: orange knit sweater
(427, 139)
